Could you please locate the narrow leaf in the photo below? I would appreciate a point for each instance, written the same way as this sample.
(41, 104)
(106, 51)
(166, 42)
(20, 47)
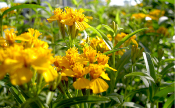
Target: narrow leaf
(108, 28)
(170, 1)
(118, 98)
(151, 72)
(164, 92)
(165, 70)
(170, 101)
(17, 95)
(81, 99)
(21, 7)
(128, 36)
(114, 50)
(142, 90)
(140, 74)
(149, 65)
(117, 18)
(132, 104)
(123, 60)
(33, 103)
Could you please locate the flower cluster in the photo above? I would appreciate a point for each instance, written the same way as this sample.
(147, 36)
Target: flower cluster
(99, 44)
(160, 31)
(138, 16)
(70, 17)
(90, 64)
(21, 59)
(156, 14)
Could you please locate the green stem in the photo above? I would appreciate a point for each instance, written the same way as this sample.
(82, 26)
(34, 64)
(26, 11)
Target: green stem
(1, 25)
(39, 82)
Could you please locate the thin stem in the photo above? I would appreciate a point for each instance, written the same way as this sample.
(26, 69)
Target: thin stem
(1, 25)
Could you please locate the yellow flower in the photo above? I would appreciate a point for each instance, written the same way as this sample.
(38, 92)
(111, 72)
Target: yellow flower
(10, 36)
(138, 16)
(78, 70)
(39, 43)
(156, 14)
(97, 84)
(50, 74)
(3, 42)
(30, 38)
(164, 31)
(90, 54)
(70, 17)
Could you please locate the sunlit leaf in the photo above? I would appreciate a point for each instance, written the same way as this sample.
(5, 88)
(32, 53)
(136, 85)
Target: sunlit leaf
(164, 92)
(145, 75)
(21, 7)
(128, 36)
(132, 104)
(108, 28)
(170, 101)
(114, 50)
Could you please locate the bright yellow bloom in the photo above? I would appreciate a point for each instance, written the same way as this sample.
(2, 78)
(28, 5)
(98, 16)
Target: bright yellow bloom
(70, 17)
(97, 84)
(10, 36)
(90, 54)
(3, 42)
(156, 14)
(138, 16)
(30, 38)
(50, 74)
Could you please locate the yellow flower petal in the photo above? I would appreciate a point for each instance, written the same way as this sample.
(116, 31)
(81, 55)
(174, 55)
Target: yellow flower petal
(104, 76)
(106, 65)
(21, 76)
(52, 18)
(98, 85)
(50, 74)
(67, 72)
(81, 83)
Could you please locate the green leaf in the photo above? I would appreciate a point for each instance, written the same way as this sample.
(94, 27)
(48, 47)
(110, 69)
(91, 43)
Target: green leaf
(114, 50)
(149, 65)
(165, 70)
(170, 101)
(142, 90)
(122, 61)
(50, 7)
(108, 28)
(128, 36)
(168, 60)
(151, 72)
(118, 98)
(117, 18)
(80, 99)
(33, 103)
(132, 104)
(145, 75)
(21, 7)
(164, 92)
(170, 1)
(75, 2)
(17, 95)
